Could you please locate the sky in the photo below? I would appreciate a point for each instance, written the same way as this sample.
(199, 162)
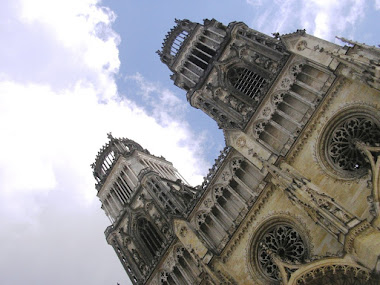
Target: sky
(73, 70)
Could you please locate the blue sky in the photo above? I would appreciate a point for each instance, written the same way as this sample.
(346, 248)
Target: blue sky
(71, 71)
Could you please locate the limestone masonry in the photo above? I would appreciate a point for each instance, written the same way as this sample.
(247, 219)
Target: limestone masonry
(294, 198)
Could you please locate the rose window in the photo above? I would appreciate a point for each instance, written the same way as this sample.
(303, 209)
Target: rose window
(341, 149)
(284, 242)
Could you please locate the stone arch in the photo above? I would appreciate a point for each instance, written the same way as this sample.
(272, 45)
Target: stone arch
(331, 271)
(147, 237)
(186, 265)
(208, 228)
(227, 203)
(246, 179)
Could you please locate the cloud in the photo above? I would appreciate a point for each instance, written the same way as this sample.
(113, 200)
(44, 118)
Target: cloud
(322, 18)
(255, 2)
(172, 130)
(377, 4)
(58, 99)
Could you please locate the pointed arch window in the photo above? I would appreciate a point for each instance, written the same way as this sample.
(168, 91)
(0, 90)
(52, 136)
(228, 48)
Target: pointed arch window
(149, 236)
(246, 81)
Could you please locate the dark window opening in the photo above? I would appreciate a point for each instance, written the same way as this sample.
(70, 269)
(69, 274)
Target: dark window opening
(246, 81)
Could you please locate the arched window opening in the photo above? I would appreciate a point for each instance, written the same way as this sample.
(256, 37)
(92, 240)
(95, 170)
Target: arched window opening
(285, 242)
(108, 162)
(341, 147)
(149, 236)
(178, 41)
(246, 81)
(337, 148)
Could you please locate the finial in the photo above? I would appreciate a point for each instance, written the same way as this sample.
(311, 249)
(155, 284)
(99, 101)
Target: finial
(109, 136)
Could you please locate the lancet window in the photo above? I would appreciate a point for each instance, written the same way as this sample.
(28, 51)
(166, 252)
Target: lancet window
(293, 106)
(183, 271)
(229, 203)
(246, 179)
(148, 234)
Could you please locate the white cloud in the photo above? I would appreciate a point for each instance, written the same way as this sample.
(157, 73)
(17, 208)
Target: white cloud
(255, 2)
(58, 99)
(322, 18)
(377, 4)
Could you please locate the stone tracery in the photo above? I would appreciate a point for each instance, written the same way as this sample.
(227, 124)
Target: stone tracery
(338, 148)
(341, 145)
(284, 241)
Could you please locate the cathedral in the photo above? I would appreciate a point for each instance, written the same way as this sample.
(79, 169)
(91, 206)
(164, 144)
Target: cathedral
(293, 198)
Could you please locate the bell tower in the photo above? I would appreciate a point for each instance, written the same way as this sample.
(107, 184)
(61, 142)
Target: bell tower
(141, 194)
(226, 70)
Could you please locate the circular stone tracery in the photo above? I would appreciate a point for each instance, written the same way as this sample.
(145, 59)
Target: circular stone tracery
(341, 149)
(283, 241)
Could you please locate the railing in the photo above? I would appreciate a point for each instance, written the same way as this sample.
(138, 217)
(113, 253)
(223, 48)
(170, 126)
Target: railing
(214, 169)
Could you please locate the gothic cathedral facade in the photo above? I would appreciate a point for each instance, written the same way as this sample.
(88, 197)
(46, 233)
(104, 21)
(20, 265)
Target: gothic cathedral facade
(294, 198)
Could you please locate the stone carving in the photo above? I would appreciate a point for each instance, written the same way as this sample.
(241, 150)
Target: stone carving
(208, 203)
(301, 45)
(218, 192)
(259, 128)
(285, 242)
(278, 98)
(286, 82)
(201, 219)
(214, 168)
(318, 205)
(226, 176)
(363, 226)
(214, 112)
(237, 105)
(236, 163)
(183, 231)
(267, 112)
(262, 39)
(296, 69)
(336, 274)
(241, 142)
(337, 148)
(341, 146)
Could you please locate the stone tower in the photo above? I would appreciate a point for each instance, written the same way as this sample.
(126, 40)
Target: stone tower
(141, 194)
(294, 198)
